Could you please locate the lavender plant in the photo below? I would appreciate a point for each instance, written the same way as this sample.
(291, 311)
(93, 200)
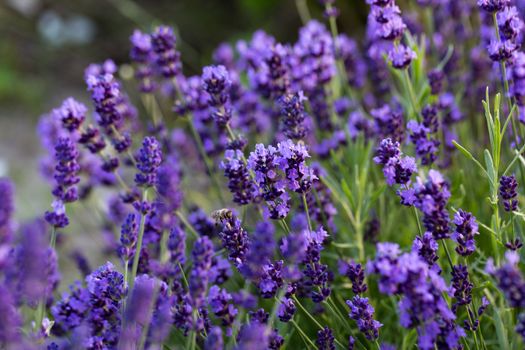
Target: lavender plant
(329, 193)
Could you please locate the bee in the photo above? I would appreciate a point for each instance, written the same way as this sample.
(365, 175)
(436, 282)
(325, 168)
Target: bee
(222, 215)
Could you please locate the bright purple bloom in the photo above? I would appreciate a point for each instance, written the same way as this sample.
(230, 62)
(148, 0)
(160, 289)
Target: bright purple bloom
(507, 192)
(234, 238)
(427, 248)
(253, 336)
(461, 287)
(240, 182)
(198, 280)
(142, 53)
(426, 146)
(72, 114)
(466, 229)
(163, 42)
(325, 339)
(355, 273)
(128, 237)
(148, 161)
(401, 56)
(363, 313)
(220, 303)
(66, 170)
(293, 115)
(286, 310)
(510, 280)
(493, 5)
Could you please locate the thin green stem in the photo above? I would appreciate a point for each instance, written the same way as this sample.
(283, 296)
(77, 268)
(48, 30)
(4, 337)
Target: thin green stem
(187, 224)
(411, 93)
(292, 321)
(305, 204)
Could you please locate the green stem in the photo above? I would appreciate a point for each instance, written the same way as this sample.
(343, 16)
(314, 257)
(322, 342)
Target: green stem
(305, 204)
(292, 321)
(411, 93)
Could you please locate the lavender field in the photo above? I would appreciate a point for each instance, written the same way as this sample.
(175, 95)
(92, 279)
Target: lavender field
(356, 189)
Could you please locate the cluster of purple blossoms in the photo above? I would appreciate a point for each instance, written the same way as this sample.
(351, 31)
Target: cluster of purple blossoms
(220, 302)
(427, 248)
(509, 26)
(149, 159)
(390, 26)
(356, 274)
(431, 196)
(315, 275)
(397, 169)
(277, 170)
(163, 43)
(363, 313)
(216, 82)
(142, 55)
(422, 304)
(466, 229)
(511, 282)
(325, 339)
(508, 193)
(426, 146)
(240, 182)
(389, 123)
(286, 310)
(128, 237)
(66, 179)
(109, 102)
(234, 238)
(293, 115)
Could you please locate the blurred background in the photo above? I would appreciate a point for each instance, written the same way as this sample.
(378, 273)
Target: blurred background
(45, 46)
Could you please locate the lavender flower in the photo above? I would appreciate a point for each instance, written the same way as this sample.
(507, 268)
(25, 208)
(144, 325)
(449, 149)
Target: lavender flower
(163, 42)
(291, 160)
(389, 122)
(66, 170)
(10, 319)
(427, 248)
(325, 339)
(198, 279)
(219, 301)
(510, 279)
(254, 336)
(466, 229)
(214, 340)
(142, 54)
(397, 170)
(138, 313)
(493, 5)
(234, 238)
(507, 192)
(426, 147)
(239, 180)
(6, 216)
(293, 115)
(216, 82)
(363, 313)
(355, 273)
(128, 237)
(148, 162)
(72, 114)
(286, 310)
(462, 287)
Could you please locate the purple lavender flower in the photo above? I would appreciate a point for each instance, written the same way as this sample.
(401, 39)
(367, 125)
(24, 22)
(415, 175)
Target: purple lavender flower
(401, 56)
(202, 257)
(148, 162)
(466, 229)
(220, 302)
(286, 310)
(57, 217)
(106, 289)
(260, 251)
(435, 80)
(325, 339)
(461, 286)
(422, 304)
(509, 278)
(397, 169)
(6, 215)
(128, 237)
(72, 114)
(253, 336)
(234, 238)
(163, 42)
(518, 83)
(389, 123)
(142, 54)
(427, 248)
(291, 161)
(507, 191)
(293, 115)
(493, 5)
(139, 311)
(271, 279)
(66, 170)
(431, 197)
(272, 187)
(363, 313)
(426, 147)
(10, 319)
(430, 120)
(240, 183)
(214, 339)
(355, 273)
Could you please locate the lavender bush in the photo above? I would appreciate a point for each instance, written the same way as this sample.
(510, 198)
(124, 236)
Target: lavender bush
(331, 193)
